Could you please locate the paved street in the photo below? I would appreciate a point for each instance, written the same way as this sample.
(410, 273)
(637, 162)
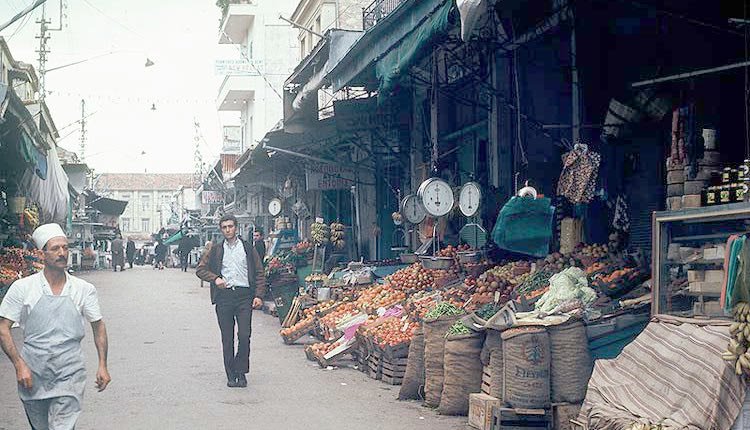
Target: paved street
(166, 366)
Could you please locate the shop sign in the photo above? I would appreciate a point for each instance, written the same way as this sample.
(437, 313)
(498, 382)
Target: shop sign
(212, 198)
(238, 67)
(328, 177)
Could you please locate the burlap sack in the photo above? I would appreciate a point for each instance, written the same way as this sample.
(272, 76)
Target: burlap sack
(526, 360)
(571, 363)
(498, 372)
(463, 373)
(492, 340)
(434, 343)
(412, 386)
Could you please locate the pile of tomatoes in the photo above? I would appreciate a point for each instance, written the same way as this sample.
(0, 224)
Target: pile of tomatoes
(392, 331)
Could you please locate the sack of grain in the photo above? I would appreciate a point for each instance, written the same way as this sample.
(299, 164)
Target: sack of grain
(526, 363)
(497, 372)
(434, 343)
(463, 372)
(491, 342)
(571, 364)
(412, 386)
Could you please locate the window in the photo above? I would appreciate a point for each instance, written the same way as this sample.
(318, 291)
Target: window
(146, 202)
(125, 224)
(145, 225)
(125, 196)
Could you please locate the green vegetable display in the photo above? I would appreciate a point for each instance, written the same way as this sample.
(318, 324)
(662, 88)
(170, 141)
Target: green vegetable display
(487, 311)
(537, 281)
(458, 328)
(443, 309)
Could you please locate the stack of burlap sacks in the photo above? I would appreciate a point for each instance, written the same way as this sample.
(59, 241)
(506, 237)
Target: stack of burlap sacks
(531, 366)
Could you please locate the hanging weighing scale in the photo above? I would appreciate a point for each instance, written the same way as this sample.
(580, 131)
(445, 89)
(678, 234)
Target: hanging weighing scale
(473, 234)
(274, 207)
(438, 200)
(413, 213)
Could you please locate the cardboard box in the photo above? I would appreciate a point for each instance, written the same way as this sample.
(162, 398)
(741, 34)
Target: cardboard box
(480, 410)
(713, 276)
(696, 275)
(562, 413)
(705, 287)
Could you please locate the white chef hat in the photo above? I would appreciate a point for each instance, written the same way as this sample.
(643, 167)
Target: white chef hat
(45, 232)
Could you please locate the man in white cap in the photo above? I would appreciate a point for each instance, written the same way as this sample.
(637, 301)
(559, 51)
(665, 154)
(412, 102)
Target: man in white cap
(51, 306)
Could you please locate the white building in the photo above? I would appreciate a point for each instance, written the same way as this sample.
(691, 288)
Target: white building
(268, 51)
(155, 200)
(323, 15)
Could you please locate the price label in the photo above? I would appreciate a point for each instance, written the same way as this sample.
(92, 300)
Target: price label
(406, 325)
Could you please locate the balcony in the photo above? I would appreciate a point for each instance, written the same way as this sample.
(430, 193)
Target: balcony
(378, 10)
(238, 19)
(236, 92)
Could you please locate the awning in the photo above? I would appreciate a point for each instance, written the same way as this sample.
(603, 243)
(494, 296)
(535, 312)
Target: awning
(51, 194)
(174, 238)
(109, 206)
(405, 54)
(380, 39)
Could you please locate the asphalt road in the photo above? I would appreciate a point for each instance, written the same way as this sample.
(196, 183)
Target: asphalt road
(167, 373)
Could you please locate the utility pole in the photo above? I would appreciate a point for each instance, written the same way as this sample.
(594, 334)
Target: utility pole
(43, 50)
(83, 130)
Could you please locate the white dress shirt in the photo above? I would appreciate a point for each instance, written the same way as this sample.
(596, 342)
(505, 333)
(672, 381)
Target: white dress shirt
(24, 294)
(234, 265)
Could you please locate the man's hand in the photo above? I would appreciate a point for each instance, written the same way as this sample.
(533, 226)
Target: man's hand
(220, 283)
(23, 375)
(102, 378)
(257, 302)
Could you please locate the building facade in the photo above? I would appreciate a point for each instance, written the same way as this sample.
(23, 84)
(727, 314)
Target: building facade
(267, 53)
(155, 200)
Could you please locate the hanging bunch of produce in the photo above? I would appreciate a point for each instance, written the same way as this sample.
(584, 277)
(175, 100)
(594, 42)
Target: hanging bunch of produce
(739, 341)
(319, 232)
(337, 235)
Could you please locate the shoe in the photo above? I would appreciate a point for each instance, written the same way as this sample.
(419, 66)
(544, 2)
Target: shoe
(241, 380)
(232, 381)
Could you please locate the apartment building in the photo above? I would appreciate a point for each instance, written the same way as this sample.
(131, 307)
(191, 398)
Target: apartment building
(155, 200)
(267, 52)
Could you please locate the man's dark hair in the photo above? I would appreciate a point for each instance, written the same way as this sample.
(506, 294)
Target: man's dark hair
(228, 217)
(258, 230)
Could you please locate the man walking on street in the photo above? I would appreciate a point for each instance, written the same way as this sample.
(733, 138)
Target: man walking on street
(234, 270)
(258, 243)
(52, 306)
(130, 251)
(183, 249)
(118, 253)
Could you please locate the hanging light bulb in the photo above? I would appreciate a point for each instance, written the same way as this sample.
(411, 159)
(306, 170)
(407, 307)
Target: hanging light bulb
(153, 106)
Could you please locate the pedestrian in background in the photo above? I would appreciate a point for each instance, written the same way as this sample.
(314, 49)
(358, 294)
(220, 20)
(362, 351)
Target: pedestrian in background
(118, 253)
(183, 249)
(52, 307)
(130, 251)
(160, 255)
(234, 270)
(258, 243)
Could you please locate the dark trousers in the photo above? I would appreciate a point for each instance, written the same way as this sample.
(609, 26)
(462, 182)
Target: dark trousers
(184, 261)
(235, 306)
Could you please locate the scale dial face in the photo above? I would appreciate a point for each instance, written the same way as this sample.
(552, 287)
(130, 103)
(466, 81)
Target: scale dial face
(274, 207)
(412, 209)
(437, 196)
(469, 198)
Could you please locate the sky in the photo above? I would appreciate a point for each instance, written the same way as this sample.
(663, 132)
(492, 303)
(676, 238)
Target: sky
(123, 133)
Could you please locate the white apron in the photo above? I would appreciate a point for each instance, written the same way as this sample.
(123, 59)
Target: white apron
(52, 350)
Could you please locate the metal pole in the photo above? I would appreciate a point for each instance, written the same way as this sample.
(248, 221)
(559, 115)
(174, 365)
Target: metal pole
(21, 14)
(294, 24)
(576, 135)
(690, 74)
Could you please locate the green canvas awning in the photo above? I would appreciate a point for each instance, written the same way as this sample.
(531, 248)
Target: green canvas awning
(403, 56)
(174, 238)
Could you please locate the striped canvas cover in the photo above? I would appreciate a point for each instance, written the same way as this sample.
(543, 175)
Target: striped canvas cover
(672, 374)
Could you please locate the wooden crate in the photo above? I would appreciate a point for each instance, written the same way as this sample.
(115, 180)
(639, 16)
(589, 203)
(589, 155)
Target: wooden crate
(486, 379)
(480, 410)
(392, 371)
(374, 370)
(521, 419)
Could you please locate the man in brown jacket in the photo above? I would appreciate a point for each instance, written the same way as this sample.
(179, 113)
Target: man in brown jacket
(235, 272)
